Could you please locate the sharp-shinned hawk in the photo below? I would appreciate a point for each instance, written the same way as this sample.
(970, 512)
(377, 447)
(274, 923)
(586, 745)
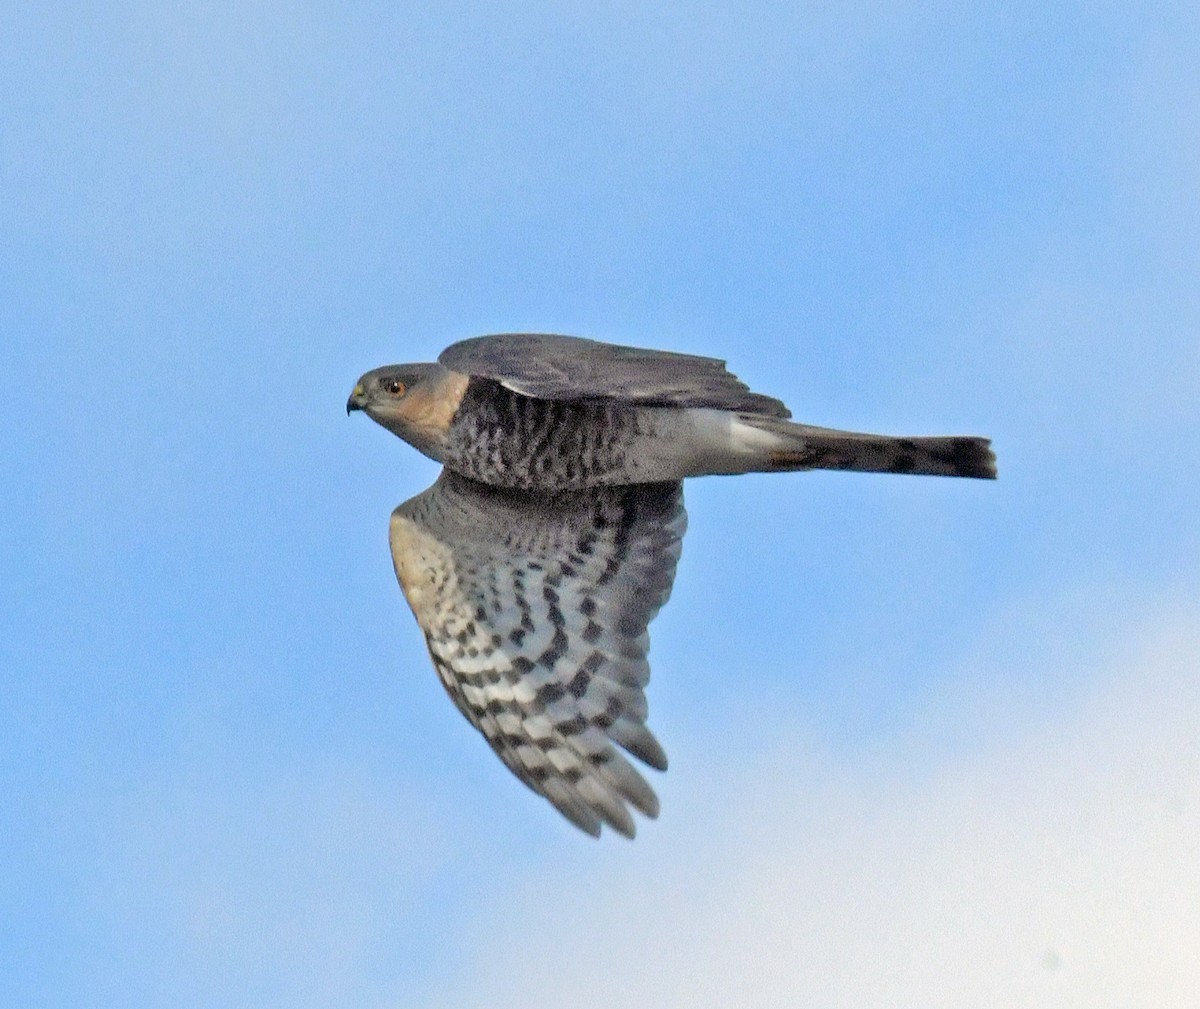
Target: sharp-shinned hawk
(538, 558)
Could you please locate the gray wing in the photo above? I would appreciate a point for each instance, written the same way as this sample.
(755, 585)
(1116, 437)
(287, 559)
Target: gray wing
(545, 366)
(535, 609)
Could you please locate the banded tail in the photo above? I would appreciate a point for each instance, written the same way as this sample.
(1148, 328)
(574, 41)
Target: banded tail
(799, 447)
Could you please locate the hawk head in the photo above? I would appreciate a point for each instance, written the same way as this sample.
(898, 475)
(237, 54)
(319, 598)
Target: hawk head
(417, 402)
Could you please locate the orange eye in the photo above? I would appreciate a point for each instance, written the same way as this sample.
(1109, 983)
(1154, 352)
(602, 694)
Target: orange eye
(394, 387)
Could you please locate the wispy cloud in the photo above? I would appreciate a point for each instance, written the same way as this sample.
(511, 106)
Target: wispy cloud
(1049, 860)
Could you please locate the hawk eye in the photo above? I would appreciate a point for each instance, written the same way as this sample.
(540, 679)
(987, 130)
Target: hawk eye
(394, 387)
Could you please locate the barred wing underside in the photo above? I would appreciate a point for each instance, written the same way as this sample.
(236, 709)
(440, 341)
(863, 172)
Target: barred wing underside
(535, 608)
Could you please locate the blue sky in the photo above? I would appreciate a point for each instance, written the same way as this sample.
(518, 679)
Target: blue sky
(932, 742)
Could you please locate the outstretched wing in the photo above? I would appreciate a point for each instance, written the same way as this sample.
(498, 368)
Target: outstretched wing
(545, 366)
(535, 609)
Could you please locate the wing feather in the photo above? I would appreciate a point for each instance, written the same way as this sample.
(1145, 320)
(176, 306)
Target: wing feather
(548, 366)
(535, 608)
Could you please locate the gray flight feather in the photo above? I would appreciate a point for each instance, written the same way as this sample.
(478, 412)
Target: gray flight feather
(547, 366)
(535, 608)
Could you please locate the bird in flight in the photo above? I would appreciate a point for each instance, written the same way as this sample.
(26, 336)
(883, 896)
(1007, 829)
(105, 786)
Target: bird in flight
(548, 543)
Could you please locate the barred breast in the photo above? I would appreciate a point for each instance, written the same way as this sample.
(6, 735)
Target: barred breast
(504, 439)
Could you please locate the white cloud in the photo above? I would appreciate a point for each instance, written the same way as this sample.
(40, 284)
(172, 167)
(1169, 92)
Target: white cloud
(1055, 863)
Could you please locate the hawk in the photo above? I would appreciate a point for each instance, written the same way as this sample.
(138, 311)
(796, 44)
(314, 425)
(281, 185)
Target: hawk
(538, 558)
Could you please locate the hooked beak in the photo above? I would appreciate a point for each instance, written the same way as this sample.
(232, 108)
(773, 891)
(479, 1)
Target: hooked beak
(355, 402)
